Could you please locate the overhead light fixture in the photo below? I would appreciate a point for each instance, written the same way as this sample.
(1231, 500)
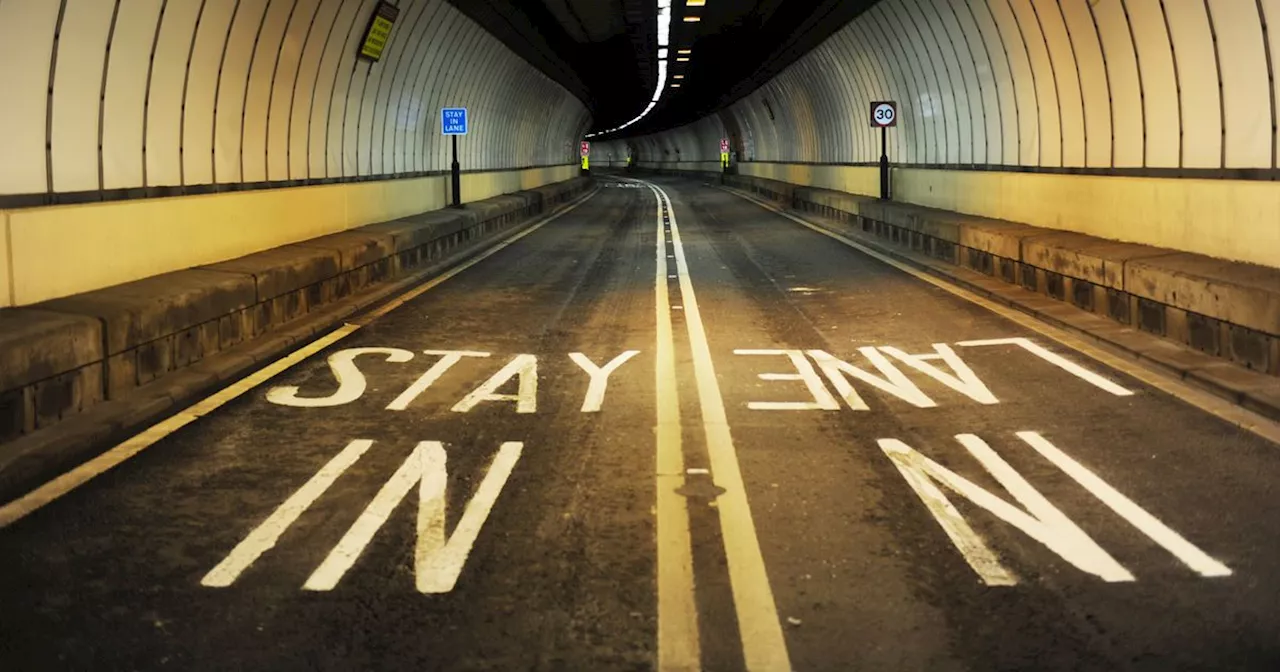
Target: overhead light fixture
(692, 19)
(695, 3)
(678, 77)
(675, 86)
(683, 59)
(664, 38)
(662, 79)
(664, 22)
(684, 51)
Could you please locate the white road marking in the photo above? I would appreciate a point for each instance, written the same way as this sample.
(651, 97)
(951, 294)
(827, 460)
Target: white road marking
(351, 381)
(523, 366)
(1171, 541)
(1041, 521)
(599, 376)
(763, 644)
(1208, 402)
(894, 381)
(961, 378)
(966, 540)
(438, 561)
(51, 491)
(822, 399)
(344, 555)
(60, 486)
(264, 537)
(447, 359)
(1054, 359)
(678, 638)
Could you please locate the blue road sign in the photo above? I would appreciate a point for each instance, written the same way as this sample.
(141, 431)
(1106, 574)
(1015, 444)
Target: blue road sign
(453, 120)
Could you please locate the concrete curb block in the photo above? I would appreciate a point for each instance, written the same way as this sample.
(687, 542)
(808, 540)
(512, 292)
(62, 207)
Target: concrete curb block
(1228, 309)
(126, 336)
(1258, 392)
(44, 454)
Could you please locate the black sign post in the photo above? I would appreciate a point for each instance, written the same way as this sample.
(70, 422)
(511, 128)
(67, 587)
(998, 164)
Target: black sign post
(453, 122)
(883, 115)
(456, 170)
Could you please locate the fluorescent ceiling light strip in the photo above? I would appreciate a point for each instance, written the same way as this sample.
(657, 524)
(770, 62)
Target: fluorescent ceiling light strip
(664, 38)
(664, 24)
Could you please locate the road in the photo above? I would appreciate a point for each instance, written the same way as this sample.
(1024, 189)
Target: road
(630, 442)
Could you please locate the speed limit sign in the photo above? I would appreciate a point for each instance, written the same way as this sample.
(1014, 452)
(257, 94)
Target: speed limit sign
(884, 114)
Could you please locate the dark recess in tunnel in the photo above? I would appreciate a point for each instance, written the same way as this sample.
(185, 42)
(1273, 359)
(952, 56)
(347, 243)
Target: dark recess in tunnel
(605, 51)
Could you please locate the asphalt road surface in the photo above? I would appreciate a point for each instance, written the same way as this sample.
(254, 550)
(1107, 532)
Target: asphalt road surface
(669, 430)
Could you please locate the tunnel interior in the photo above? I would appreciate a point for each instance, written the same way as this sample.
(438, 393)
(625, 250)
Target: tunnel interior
(639, 334)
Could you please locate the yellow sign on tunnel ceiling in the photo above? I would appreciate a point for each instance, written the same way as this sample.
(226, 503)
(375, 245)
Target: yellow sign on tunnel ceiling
(379, 31)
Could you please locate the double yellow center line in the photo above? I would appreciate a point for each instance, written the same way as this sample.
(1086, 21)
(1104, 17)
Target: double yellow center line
(763, 644)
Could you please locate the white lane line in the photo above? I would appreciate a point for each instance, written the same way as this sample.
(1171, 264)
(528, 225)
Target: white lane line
(264, 537)
(1206, 401)
(433, 283)
(44, 494)
(763, 644)
(678, 638)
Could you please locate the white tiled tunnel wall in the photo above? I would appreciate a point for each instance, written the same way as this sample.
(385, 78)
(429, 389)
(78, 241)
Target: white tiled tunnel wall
(116, 94)
(1133, 91)
(1042, 83)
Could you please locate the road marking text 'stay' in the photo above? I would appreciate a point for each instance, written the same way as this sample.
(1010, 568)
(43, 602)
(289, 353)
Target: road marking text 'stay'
(523, 369)
(438, 557)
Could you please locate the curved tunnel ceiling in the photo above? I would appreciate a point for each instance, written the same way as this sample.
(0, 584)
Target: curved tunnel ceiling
(603, 51)
(155, 94)
(1113, 87)
(110, 100)
(738, 46)
(606, 50)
